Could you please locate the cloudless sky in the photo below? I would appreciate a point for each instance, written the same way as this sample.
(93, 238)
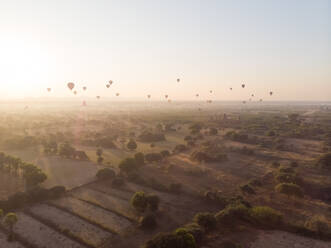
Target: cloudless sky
(144, 45)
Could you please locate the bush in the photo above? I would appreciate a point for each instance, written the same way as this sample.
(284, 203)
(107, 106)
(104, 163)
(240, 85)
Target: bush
(139, 201)
(287, 178)
(232, 213)
(105, 173)
(148, 222)
(151, 137)
(171, 240)
(266, 216)
(318, 224)
(206, 220)
(289, 189)
(194, 229)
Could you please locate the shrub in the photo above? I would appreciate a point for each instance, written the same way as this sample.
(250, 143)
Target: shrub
(318, 224)
(232, 213)
(171, 240)
(266, 216)
(194, 229)
(148, 222)
(105, 173)
(206, 220)
(287, 178)
(289, 189)
(147, 136)
(139, 201)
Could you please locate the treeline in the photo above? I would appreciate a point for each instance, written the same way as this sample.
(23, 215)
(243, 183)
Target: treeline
(31, 174)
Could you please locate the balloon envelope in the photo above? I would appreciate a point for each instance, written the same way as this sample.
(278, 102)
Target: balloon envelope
(243, 85)
(71, 85)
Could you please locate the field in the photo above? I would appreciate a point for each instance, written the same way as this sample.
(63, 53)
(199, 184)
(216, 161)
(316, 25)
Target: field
(95, 212)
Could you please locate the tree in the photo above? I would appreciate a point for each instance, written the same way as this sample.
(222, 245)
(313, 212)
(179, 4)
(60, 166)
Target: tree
(33, 175)
(139, 201)
(66, 150)
(10, 221)
(128, 165)
(289, 189)
(132, 145)
(140, 158)
(105, 173)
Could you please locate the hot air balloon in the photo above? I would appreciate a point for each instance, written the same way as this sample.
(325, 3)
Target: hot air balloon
(110, 82)
(75, 92)
(117, 94)
(149, 96)
(270, 93)
(169, 100)
(49, 89)
(178, 80)
(71, 85)
(231, 88)
(98, 97)
(166, 96)
(107, 85)
(252, 95)
(210, 91)
(84, 103)
(243, 85)
(197, 95)
(84, 88)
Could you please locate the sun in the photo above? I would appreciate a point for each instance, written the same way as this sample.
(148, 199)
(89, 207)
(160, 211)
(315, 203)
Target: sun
(24, 68)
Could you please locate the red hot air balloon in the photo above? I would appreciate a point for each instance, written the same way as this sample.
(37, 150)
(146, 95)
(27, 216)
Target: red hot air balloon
(71, 85)
(98, 97)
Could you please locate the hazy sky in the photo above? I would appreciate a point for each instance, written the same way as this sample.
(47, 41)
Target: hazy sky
(144, 45)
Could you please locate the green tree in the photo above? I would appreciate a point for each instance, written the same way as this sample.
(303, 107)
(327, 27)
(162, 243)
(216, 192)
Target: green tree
(10, 221)
(139, 201)
(128, 165)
